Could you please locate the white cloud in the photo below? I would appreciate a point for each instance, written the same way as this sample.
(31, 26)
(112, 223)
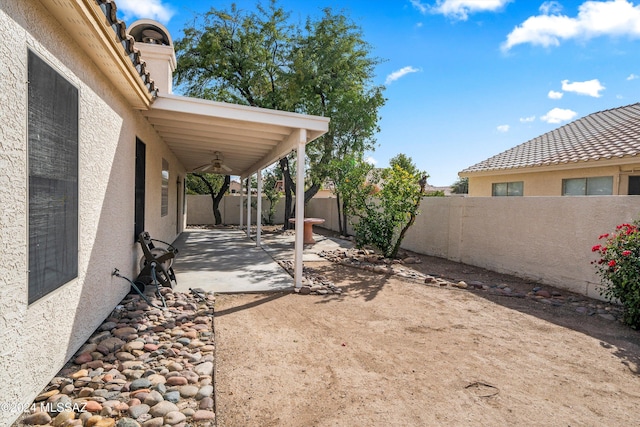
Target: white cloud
(590, 87)
(400, 73)
(503, 128)
(460, 9)
(558, 115)
(152, 9)
(554, 95)
(595, 18)
(550, 8)
(633, 76)
(527, 119)
(371, 161)
(418, 5)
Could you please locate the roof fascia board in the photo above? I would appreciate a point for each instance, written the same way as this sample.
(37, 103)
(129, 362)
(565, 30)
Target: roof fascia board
(207, 108)
(94, 22)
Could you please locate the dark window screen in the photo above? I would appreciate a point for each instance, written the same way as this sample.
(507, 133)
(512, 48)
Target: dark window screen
(634, 185)
(53, 179)
(141, 161)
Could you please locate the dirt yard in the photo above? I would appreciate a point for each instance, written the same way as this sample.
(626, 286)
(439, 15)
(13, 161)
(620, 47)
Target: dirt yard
(389, 352)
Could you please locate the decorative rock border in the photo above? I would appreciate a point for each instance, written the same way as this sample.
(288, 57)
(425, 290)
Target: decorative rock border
(312, 283)
(143, 367)
(367, 260)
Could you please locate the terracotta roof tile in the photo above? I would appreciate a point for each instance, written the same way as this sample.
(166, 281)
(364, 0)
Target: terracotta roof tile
(602, 135)
(109, 9)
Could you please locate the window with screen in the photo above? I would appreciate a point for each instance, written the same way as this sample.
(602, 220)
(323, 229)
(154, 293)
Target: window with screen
(164, 199)
(596, 186)
(508, 188)
(53, 178)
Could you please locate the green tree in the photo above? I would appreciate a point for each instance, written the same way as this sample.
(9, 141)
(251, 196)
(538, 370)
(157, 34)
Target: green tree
(349, 176)
(405, 163)
(212, 184)
(253, 58)
(237, 56)
(332, 71)
(272, 194)
(385, 216)
(461, 186)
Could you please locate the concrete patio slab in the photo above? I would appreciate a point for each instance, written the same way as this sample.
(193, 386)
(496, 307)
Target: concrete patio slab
(226, 261)
(281, 246)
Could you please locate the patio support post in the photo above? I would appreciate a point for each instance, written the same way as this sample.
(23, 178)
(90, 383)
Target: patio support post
(259, 209)
(299, 246)
(241, 211)
(249, 206)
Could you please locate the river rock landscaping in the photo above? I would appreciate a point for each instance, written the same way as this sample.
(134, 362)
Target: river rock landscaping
(145, 366)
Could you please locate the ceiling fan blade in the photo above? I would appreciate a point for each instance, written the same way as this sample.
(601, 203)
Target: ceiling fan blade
(203, 168)
(227, 168)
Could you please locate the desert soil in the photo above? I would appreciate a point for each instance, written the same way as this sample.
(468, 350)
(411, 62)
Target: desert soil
(389, 352)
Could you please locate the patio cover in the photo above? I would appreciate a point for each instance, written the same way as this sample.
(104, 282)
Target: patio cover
(248, 138)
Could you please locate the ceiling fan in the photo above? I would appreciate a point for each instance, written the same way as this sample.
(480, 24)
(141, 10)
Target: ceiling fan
(216, 165)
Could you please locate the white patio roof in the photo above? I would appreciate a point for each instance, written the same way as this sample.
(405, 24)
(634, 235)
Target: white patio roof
(248, 138)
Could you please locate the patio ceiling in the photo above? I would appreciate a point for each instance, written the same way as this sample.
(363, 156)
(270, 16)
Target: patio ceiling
(248, 138)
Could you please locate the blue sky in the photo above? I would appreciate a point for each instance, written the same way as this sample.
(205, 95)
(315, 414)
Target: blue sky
(468, 79)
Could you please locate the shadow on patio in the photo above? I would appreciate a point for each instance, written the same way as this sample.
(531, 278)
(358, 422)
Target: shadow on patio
(226, 261)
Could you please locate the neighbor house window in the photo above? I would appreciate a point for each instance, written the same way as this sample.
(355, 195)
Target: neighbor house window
(164, 208)
(53, 178)
(596, 186)
(507, 188)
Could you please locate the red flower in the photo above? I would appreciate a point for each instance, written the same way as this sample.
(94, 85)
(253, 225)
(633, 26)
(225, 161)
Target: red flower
(596, 248)
(626, 253)
(603, 236)
(612, 263)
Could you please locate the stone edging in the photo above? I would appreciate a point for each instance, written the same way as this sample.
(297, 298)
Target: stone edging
(367, 260)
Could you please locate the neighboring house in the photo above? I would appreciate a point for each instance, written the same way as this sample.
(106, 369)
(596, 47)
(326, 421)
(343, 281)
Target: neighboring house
(594, 155)
(235, 187)
(94, 149)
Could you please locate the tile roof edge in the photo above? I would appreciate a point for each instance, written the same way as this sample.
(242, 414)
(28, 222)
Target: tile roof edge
(109, 8)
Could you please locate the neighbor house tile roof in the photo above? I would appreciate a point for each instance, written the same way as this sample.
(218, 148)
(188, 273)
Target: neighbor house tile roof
(602, 135)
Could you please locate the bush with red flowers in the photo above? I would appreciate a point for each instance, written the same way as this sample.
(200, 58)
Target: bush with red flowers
(619, 269)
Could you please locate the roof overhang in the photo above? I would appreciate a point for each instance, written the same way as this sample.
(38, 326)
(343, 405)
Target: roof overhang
(249, 138)
(86, 23)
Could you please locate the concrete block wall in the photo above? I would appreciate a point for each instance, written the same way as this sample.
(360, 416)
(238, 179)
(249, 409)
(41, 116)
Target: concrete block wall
(200, 210)
(545, 239)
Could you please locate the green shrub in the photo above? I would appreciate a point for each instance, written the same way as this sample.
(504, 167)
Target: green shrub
(619, 270)
(386, 215)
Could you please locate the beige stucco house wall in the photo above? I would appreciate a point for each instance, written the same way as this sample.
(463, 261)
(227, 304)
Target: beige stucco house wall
(547, 181)
(36, 339)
